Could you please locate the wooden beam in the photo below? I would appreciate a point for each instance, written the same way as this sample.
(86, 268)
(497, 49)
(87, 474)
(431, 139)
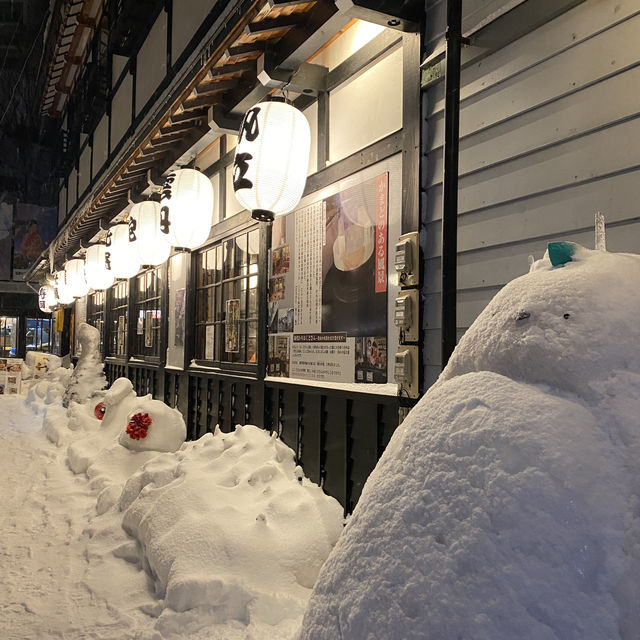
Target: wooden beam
(241, 51)
(219, 86)
(281, 23)
(231, 69)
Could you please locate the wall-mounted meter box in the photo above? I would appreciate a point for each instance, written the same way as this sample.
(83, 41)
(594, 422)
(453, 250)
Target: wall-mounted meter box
(406, 315)
(406, 260)
(405, 370)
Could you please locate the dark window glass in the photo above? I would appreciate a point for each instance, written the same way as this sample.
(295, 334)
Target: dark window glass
(148, 314)
(227, 301)
(117, 319)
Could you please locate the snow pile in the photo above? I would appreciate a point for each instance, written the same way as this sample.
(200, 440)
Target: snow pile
(88, 375)
(153, 426)
(506, 505)
(231, 532)
(227, 536)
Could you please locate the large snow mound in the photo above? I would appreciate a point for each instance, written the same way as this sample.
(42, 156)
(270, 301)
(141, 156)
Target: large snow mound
(230, 525)
(506, 504)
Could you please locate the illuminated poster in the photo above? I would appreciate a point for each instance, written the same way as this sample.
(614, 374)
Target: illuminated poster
(328, 287)
(34, 228)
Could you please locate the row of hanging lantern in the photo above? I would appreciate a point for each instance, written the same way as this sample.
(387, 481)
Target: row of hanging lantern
(269, 175)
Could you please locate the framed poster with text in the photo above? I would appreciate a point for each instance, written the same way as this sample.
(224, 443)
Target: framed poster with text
(329, 287)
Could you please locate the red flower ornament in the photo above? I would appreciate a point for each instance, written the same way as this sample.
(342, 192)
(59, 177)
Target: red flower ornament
(99, 410)
(138, 426)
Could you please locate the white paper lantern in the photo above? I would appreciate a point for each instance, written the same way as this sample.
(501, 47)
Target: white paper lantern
(63, 291)
(146, 235)
(123, 256)
(97, 267)
(272, 159)
(186, 208)
(47, 300)
(76, 281)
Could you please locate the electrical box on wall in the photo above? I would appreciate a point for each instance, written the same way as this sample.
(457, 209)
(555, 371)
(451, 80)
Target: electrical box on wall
(406, 371)
(406, 315)
(406, 260)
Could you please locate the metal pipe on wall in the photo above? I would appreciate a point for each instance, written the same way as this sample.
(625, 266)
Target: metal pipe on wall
(450, 180)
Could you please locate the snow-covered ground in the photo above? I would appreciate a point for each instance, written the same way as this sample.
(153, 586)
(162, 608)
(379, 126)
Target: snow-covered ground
(218, 539)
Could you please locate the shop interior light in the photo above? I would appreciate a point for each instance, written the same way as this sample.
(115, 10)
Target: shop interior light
(97, 267)
(47, 300)
(63, 291)
(77, 283)
(146, 234)
(123, 256)
(186, 208)
(272, 159)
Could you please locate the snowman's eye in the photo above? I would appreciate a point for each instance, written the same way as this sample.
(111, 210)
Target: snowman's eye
(566, 316)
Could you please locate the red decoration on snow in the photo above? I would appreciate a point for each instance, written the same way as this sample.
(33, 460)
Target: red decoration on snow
(99, 410)
(138, 426)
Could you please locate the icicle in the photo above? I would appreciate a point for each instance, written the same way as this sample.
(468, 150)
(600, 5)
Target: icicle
(601, 238)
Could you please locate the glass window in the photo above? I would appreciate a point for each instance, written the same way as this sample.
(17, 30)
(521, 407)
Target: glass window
(117, 320)
(8, 336)
(96, 313)
(148, 314)
(227, 301)
(38, 334)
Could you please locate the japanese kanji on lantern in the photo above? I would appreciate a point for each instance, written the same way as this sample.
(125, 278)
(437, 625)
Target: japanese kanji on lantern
(97, 267)
(47, 299)
(186, 208)
(272, 159)
(63, 292)
(77, 283)
(123, 256)
(146, 234)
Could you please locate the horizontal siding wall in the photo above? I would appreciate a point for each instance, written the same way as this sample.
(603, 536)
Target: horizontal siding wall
(549, 128)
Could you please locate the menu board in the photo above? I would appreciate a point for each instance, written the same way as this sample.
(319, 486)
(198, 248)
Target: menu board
(10, 376)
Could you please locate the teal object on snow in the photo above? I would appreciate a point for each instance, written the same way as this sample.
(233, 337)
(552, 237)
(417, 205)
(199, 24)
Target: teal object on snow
(561, 252)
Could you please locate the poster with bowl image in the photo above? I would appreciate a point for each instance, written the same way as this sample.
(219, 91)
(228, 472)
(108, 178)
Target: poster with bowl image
(328, 282)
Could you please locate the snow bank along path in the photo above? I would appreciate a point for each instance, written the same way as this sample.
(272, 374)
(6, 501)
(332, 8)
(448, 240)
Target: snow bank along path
(154, 539)
(507, 503)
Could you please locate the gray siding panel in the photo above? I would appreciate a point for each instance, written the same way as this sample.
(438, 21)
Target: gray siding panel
(549, 129)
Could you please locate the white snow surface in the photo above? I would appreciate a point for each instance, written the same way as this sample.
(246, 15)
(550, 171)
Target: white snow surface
(507, 503)
(221, 539)
(88, 376)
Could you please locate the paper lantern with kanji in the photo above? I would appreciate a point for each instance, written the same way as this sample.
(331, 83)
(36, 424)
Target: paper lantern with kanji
(47, 300)
(97, 267)
(146, 234)
(186, 208)
(122, 253)
(272, 159)
(63, 291)
(76, 281)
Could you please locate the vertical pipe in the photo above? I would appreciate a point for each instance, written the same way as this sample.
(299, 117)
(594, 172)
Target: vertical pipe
(450, 179)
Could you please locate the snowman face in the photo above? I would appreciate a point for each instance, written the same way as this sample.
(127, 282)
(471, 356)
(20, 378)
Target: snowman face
(564, 326)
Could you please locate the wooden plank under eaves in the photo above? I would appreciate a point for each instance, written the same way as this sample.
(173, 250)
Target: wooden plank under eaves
(278, 25)
(243, 52)
(217, 86)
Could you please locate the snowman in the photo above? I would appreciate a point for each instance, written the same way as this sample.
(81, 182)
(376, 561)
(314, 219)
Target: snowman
(88, 377)
(507, 503)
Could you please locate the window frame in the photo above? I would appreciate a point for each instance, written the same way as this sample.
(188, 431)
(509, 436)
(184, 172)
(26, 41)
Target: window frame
(159, 277)
(119, 291)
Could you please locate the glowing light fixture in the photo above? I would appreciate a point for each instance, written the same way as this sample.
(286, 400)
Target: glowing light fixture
(272, 158)
(186, 208)
(47, 300)
(74, 270)
(97, 267)
(123, 256)
(146, 234)
(63, 291)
